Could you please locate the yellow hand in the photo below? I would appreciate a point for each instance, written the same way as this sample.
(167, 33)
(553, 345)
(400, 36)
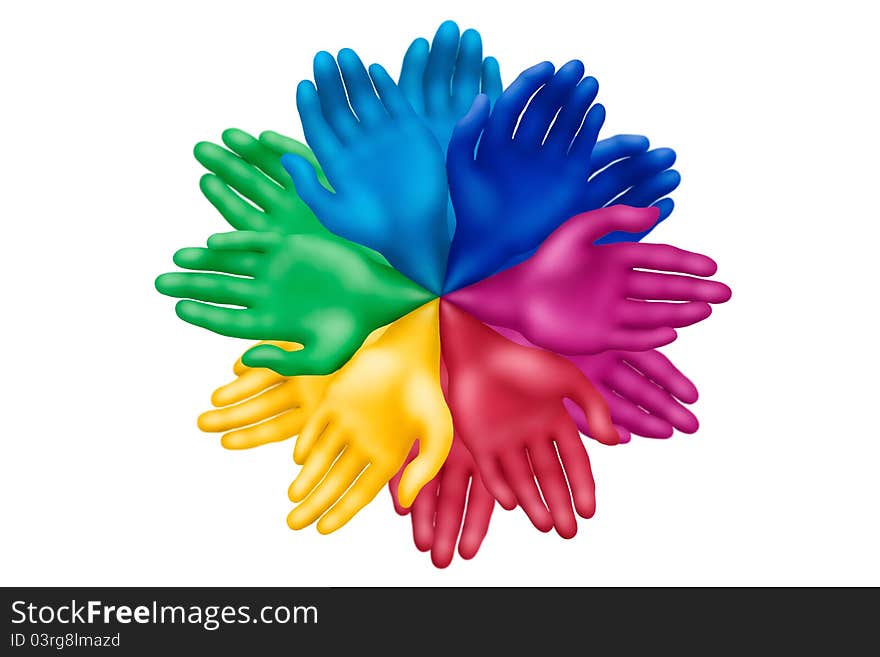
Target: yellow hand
(261, 406)
(377, 405)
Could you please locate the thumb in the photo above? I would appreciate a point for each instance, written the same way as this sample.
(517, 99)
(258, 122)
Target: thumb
(306, 183)
(596, 411)
(291, 363)
(434, 447)
(599, 223)
(466, 134)
(394, 483)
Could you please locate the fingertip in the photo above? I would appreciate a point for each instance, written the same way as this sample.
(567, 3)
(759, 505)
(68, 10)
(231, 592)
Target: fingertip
(574, 68)
(567, 530)
(448, 29)
(441, 559)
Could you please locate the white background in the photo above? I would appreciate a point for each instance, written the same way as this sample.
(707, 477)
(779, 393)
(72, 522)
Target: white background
(104, 477)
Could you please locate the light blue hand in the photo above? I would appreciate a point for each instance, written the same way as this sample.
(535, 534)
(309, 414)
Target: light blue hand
(441, 80)
(383, 162)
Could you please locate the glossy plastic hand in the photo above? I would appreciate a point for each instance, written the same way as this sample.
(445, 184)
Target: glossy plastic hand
(577, 297)
(506, 402)
(498, 215)
(251, 171)
(262, 406)
(457, 493)
(383, 161)
(309, 289)
(441, 81)
(377, 406)
(644, 390)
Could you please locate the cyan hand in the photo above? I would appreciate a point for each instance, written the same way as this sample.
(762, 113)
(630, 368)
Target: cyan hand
(383, 161)
(441, 81)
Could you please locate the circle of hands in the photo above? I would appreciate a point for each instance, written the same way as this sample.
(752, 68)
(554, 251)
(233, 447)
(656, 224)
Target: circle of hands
(448, 286)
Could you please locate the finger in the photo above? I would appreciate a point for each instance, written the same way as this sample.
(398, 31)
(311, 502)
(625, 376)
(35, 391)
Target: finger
(281, 145)
(423, 512)
(240, 214)
(451, 501)
(394, 482)
(512, 102)
(231, 322)
(361, 493)
(609, 183)
(318, 463)
(670, 287)
(466, 80)
(247, 384)
(571, 117)
(595, 408)
(361, 94)
(320, 136)
(640, 339)
(265, 405)
(245, 240)
(433, 450)
(392, 98)
(651, 397)
(341, 475)
(438, 71)
(490, 83)
(649, 191)
(412, 73)
(308, 185)
(518, 473)
(615, 148)
(312, 431)
(495, 480)
(315, 359)
(554, 488)
(601, 222)
(466, 134)
(651, 314)
(476, 519)
(581, 150)
(576, 463)
(333, 103)
(542, 108)
(238, 174)
(213, 288)
(228, 262)
(662, 257)
(661, 371)
(625, 413)
(240, 368)
(281, 427)
(258, 154)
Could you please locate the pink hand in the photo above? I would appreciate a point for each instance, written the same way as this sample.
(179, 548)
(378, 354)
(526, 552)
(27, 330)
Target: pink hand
(576, 297)
(644, 391)
(506, 403)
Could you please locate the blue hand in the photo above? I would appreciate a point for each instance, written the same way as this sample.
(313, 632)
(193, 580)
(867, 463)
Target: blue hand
(383, 162)
(441, 81)
(520, 187)
(626, 176)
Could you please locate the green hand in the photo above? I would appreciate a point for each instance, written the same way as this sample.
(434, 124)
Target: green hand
(312, 289)
(253, 170)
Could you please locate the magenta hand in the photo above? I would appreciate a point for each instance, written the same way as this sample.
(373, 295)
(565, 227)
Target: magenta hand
(577, 297)
(439, 507)
(506, 403)
(644, 391)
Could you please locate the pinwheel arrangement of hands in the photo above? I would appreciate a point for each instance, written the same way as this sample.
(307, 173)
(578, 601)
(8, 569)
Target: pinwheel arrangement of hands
(448, 287)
